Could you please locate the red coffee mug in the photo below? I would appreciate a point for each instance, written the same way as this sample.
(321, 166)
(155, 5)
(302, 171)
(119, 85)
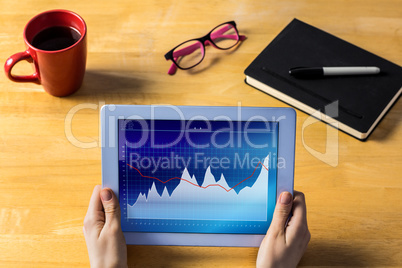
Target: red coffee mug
(60, 72)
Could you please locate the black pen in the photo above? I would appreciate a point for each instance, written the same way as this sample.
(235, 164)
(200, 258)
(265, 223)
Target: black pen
(305, 72)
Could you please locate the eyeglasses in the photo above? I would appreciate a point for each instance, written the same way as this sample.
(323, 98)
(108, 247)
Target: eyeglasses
(190, 53)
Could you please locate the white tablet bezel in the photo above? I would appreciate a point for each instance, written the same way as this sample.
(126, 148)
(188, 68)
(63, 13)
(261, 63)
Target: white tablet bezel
(109, 115)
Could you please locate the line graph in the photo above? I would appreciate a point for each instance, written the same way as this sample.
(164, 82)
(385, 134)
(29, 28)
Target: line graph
(200, 186)
(212, 200)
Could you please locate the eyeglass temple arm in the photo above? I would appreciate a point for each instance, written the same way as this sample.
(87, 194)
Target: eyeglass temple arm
(190, 49)
(172, 69)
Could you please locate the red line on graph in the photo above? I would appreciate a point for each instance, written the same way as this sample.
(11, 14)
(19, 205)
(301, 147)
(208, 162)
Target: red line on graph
(203, 187)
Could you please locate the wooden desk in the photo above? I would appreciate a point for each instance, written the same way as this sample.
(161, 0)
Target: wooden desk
(354, 208)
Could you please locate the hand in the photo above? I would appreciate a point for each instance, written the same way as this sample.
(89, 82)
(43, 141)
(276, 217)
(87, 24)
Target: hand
(284, 246)
(102, 230)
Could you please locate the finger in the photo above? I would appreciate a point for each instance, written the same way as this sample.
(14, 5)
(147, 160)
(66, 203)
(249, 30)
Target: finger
(111, 207)
(297, 228)
(95, 217)
(95, 204)
(281, 213)
(299, 209)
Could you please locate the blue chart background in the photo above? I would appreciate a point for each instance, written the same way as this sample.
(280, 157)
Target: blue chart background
(202, 145)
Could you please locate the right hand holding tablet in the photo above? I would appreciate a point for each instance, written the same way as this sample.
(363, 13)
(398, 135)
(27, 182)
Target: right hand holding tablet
(284, 245)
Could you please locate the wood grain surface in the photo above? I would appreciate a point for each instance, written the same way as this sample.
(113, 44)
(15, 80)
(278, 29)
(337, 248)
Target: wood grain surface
(50, 156)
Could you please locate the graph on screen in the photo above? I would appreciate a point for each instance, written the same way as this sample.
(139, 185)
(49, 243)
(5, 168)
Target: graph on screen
(216, 174)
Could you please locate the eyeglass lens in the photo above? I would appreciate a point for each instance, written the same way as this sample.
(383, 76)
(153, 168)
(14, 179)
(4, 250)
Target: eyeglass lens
(224, 36)
(188, 54)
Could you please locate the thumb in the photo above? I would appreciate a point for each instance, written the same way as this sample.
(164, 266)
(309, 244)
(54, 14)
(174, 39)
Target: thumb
(282, 211)
(111, 206)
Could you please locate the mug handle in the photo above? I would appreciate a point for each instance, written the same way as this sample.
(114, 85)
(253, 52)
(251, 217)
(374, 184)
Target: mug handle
(11, 61)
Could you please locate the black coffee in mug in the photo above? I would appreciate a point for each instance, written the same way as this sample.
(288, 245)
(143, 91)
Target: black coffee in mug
(56, 38)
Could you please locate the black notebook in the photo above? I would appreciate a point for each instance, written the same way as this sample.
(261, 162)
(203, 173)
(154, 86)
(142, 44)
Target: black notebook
(361, 101)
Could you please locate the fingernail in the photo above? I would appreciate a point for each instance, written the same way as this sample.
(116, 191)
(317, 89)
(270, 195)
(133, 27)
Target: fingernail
(286, 198)
(106, 195)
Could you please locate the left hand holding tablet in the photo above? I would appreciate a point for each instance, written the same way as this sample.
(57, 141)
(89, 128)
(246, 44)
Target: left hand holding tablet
(102, 230)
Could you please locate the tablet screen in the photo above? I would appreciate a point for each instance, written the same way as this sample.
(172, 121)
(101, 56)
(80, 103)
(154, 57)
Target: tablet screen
(197, 176)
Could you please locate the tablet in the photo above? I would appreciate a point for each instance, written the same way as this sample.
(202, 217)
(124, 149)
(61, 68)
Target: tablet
(197, 175)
